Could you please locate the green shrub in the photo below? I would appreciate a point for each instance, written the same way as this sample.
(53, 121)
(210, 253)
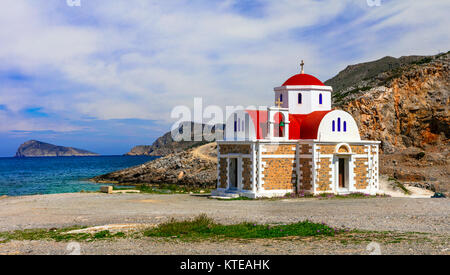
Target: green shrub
(204, 227)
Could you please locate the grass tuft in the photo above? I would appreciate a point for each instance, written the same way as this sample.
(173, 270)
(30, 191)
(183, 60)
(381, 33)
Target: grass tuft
(58, 235)
(203, 227)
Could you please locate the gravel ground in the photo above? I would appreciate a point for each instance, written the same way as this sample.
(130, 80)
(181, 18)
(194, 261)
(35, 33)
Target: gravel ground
(148, 246)
(91, 209)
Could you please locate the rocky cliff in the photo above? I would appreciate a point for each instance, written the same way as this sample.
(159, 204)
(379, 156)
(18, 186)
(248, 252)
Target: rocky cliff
(200, 134)
(34, 148)
(404, 104)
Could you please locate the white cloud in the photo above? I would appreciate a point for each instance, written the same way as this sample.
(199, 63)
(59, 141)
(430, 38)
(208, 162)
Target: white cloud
(138, 59)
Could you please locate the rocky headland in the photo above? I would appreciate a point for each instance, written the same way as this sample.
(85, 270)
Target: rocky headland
(165, 145)
(34, 148)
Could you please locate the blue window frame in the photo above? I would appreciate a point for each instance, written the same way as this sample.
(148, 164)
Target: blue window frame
(320, 98)
(334, 126)
(339, 124)
(300, 98)
(345, 126)
(281, 97)
(235, 126)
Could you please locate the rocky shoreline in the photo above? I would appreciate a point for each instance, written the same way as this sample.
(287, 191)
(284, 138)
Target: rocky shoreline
(195, 167)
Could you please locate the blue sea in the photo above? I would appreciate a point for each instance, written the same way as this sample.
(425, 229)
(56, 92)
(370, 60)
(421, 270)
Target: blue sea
(49, 175)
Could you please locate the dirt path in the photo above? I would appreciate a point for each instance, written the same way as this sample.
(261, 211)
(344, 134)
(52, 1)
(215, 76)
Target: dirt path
(204, 152)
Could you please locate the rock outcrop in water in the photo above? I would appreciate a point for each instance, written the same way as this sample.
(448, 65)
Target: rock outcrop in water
(34, 148)
(195, 167)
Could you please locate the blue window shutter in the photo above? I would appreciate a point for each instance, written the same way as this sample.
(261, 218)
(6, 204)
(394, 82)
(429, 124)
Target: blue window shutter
(299, 98)
(235, 126)
(320, 98)
(345, 126)
(334, 126)
(339, 124)
(281, 97)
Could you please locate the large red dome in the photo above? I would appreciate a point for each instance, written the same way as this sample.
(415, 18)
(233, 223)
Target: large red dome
(303, 79)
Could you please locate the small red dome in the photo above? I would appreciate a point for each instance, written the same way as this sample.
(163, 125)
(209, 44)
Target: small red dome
(303, 79)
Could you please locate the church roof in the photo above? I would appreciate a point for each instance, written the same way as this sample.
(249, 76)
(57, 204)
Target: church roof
(303, 79)
(310, 124)
(301, 126)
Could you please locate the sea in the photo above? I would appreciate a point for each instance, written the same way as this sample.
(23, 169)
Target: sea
(50, 175)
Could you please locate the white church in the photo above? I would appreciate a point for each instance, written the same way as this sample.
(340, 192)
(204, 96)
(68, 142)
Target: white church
(300, 145)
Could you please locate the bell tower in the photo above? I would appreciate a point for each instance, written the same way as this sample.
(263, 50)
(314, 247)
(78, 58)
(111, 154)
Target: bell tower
(304, 94)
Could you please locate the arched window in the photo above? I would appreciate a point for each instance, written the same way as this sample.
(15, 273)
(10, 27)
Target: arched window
(300, 98)
(345, 126)
(334, 126)
(339, 124)
(279, 125)
(235, 125)
(320, 98)
(281, 97)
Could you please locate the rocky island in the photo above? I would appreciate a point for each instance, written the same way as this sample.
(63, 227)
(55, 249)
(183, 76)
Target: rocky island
(34, 148)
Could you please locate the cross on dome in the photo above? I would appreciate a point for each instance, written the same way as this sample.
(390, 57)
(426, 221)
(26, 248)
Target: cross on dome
(301, 65)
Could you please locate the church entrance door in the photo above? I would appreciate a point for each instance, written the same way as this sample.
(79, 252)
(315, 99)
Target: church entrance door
(232, 173)
(343, 173)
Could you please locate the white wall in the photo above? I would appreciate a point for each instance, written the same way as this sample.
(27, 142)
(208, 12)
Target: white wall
(310, 98)
(326, 133)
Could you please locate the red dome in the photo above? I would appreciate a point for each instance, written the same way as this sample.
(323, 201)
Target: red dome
(303, 79)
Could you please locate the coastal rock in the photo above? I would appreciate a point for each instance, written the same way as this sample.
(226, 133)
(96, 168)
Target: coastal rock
(195, 167)
(34, 148)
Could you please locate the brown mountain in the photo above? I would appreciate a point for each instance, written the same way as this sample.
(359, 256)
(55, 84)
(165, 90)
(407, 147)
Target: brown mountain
(164, 145)
(34, 148)
(406, 108)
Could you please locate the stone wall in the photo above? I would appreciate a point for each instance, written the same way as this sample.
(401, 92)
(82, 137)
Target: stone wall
(326, 149)
(306, 174)
(323, 170)
(358, 149)
(279, 173)
(235, 149)
(305, 149)
(361, 171)
(279, 149)
(223, 170)
(246, 174)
